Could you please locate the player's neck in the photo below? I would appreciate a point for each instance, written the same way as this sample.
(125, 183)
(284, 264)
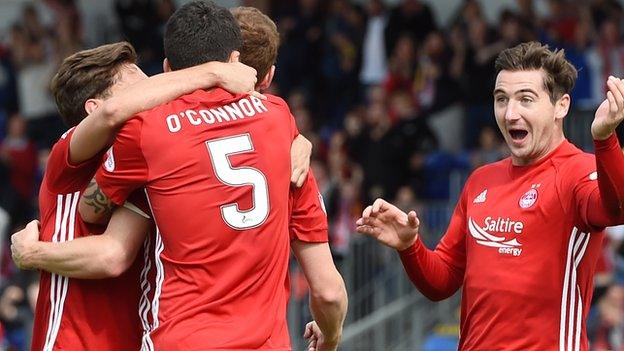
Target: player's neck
(530, 160)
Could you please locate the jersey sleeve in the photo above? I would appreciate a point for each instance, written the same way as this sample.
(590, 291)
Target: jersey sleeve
(61, 175)
(438, 274)
(596, 185)
(293, 126)
(125, 169)
(577, 181)
(308, 220)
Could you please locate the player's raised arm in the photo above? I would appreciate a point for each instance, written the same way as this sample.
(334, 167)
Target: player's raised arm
(606, 206)
(90, 257)
(106, 115)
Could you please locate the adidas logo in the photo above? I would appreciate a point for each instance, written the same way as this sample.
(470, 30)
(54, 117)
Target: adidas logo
(480, 198)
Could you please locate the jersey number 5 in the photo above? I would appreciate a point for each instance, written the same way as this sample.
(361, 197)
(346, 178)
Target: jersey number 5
(219, 150)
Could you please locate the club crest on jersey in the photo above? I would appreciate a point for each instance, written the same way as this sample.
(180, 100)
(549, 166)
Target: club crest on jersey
(109, 164)
(528, 199)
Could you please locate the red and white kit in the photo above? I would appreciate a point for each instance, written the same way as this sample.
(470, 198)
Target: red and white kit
(216, 168)
(75, 314)
(523, 244)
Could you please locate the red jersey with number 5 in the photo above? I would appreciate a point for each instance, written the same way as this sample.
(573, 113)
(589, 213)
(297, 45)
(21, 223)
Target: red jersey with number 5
(216, 168)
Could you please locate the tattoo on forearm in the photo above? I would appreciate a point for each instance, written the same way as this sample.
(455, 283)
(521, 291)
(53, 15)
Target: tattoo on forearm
(94, 197)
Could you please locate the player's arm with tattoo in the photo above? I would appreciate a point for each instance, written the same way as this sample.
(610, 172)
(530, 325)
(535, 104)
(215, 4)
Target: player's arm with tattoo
(95, 206)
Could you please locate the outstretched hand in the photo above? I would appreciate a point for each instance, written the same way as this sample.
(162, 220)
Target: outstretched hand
(389, 225)
(611, 112)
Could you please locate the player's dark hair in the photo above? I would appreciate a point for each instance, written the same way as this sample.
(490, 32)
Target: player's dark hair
(199, 32)
(86, 75)
(260, 39)
(560, 73)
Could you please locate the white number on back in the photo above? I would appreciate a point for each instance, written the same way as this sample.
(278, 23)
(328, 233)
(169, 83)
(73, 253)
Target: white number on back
(219, 150)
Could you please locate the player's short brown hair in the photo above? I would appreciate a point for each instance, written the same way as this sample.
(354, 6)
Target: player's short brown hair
(560, 73)
(86, 75)
(260, 39)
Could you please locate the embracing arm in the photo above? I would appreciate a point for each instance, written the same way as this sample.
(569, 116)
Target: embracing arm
(95, 206)
(91, 257)
(300, 152)
(97, 130)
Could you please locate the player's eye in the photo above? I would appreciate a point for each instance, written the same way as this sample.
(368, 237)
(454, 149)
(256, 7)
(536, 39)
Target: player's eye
(526, 99)
(500, 99)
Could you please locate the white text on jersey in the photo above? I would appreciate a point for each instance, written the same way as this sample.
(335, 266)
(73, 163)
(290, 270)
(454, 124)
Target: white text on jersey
(503, 225)
(243, 108)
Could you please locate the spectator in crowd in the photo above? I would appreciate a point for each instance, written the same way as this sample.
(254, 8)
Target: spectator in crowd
(16, 315)
(8, 103)
(412, 18)
(300, 24)
(35, 62)
(477, 71)
(19, 155)
(610, 50)
(610, 334)
(142, 23)
(401, 66)
(602, 10)
(374, 64)
(340, 60)
(491, 148)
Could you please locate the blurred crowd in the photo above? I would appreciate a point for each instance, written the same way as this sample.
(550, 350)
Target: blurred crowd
(397, 105)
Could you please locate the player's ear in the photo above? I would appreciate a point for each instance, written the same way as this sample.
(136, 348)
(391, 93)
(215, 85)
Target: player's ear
(562, 106)
(234, 56)
(166, 66)
(266, 82)
(91, 105)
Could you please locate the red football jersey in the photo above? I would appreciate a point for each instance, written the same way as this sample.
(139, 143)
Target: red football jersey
(74, 314)
(520, 243)
(216, 168)
(308, 220)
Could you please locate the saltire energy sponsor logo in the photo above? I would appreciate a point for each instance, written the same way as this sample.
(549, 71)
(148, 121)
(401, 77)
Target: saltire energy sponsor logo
(501, 225)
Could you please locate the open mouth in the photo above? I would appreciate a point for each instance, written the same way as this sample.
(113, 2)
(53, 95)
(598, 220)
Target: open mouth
(518, 134)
